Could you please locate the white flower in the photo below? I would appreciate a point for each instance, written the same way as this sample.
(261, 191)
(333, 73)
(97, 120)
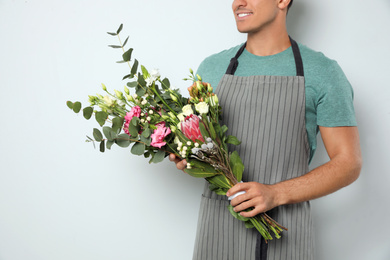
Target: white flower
(146, 95)
(189, 166)
(109, 101)
(149, 81)
(135, 96)
(188, 143)
(181, 117)
(185, 148)
(144, 102)
(148, 118)
(208, 139)
(154, 74)
(196, 145)
(187, 110)
(179, 144)
(151, 112)
(176, 140)
(210, 145)
(202, 107)
(194, 150)
(204, 146)
(142, 114)
(142, 121)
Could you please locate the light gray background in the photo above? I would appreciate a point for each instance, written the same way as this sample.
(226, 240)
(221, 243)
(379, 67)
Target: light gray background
(61, 199)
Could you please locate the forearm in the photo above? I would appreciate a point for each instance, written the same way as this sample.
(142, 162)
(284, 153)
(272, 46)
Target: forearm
(339, 172)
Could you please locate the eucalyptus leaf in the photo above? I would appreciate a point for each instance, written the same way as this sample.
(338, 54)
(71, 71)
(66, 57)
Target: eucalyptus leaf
(236, 214)
(133, 130)
(119, 29)
(115, 46)
(146, 132)
(109, 144)
(132, 84)
(101, 117)
(109, 133)
(124, 43)
(102, 147)
(134, 67)
(111, 33)
(127, 55)
(146, 140)
(117, 124)
(140, 91)
(69, 104)
(135, 121)
(76, 107)
(87, 112)
(159, 156)
(127, 76)
(165, 84)
(97, 135)
(141, 80)
(123, 140)
(138, 149)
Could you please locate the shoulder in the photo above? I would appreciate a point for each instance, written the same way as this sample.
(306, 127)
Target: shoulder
(214, 66)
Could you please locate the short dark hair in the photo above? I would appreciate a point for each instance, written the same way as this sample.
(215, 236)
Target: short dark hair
(289, 5)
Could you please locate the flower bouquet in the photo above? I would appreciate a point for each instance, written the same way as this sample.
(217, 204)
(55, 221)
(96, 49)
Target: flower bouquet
(157, 120)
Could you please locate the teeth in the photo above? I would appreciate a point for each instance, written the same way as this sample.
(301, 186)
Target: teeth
(243, 15)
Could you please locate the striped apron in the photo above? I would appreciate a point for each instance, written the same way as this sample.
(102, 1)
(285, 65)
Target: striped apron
(267, 113)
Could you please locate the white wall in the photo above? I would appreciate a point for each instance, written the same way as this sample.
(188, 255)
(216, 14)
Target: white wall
(61, 199)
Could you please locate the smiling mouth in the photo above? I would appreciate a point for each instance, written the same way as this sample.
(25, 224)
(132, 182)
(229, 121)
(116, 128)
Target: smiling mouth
(242, 15)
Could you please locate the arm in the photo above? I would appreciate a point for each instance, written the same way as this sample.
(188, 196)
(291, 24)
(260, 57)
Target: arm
(343, 148)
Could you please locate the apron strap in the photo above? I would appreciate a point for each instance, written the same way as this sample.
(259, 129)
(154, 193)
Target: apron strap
(297, 56)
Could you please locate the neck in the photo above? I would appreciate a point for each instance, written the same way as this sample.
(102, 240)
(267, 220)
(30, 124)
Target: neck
(268, 41)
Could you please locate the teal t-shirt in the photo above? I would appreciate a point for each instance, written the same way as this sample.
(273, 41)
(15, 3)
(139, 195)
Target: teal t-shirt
(329, 95)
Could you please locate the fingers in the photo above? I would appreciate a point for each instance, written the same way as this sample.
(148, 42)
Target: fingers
(180, 164)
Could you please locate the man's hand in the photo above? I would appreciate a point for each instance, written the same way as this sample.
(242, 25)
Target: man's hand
(180, 164)
(259, 196)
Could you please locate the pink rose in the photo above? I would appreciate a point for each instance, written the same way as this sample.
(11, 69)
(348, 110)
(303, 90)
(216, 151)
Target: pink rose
(159, 134)
(190, 128)
(134, 112)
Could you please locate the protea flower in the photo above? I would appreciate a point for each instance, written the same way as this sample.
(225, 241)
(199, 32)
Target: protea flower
(190, 128)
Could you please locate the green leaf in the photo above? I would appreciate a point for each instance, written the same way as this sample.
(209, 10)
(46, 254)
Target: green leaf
(220, 181)
(109, 144)
(123, 140)
(200, 169)
(115, 46)
(249, 224)
(203, 130)
(236, 165)
(165, 84)
(145, 72)
(146, 132)
(119, 29)
(87, 112)
(97, 135)
(135, 121)
(224, 128)
(108, 133)
(138, 149)
(124, 43)
(101, 117)
(127, 76)
(111, 33)
(213, 134)
(140, 91)
(132, 84)
(102, 147)
(69, 104)
(232, 140)
(133, 130)
(77, 107)
(134, 67)
(141, 81)
(127, 55)
(146, 140)
(236, 214)
(117, 124)
(159, 156)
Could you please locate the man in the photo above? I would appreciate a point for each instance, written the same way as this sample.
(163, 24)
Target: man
(276, 95)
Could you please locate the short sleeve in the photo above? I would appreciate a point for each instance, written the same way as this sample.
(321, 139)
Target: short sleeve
(335, 102)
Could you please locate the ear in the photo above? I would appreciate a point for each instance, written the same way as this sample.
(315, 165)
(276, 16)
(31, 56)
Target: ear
(283, 4)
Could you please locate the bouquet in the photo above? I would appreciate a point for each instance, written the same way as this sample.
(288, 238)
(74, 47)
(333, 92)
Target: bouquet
(157, 120)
